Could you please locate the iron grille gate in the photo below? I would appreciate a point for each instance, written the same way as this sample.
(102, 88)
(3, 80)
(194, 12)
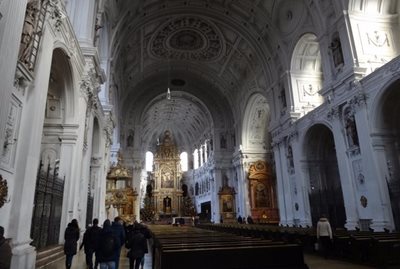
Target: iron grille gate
(46, 217)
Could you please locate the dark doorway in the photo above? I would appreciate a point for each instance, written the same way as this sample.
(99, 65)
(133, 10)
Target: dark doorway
(205, 214)
(325, 194)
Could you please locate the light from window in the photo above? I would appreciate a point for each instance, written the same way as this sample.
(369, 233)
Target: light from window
(184, 161)
(196, 159)
(149, 161)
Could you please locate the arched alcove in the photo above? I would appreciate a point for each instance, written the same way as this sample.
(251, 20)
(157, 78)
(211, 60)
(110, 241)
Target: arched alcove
(325, 191)
(387, 137)
(255, 123)
(45, 229)
(306, 74)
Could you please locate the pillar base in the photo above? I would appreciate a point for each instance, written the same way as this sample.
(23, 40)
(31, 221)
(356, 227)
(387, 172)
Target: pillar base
(24, 256)
(351, 225)
(379, 226)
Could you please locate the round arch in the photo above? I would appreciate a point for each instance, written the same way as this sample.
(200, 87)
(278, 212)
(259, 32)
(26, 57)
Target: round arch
(387, 136)
(255, 123)
(325, 191)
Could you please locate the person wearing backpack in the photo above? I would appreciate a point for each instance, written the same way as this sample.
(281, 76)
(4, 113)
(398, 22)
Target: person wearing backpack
(119, 232)
(90, 241)
(107, 246)
(137, 243)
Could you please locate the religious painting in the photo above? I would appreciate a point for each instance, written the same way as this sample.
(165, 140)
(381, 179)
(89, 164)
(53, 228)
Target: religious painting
(167, 180)
(261, 196)
(227, 204)
(262, 193)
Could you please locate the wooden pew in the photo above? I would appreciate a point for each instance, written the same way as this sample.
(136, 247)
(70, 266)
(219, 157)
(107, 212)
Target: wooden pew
(179, 248)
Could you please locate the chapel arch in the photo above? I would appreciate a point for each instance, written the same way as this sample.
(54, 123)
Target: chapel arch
(387, 126)
(321, 165)
(306, 74)
(59, 111)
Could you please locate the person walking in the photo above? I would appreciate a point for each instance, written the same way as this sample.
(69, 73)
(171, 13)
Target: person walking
(107, 247)
(71, 237)
(5, 251)
(324, 235)
(145, 231)
(137, 243)
(119, 231)
(90, 241)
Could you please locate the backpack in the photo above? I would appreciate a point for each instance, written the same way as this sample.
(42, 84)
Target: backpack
(108, 243)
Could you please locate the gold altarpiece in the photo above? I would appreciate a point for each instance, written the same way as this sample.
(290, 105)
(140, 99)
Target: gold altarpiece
(262, 193)
(119, 192)
(227, 204)
(167, 191)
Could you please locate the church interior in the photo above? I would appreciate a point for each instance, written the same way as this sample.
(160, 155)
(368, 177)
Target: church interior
(200, 112)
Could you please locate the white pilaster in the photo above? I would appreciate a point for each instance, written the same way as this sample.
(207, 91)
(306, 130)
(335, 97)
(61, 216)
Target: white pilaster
(13, 14)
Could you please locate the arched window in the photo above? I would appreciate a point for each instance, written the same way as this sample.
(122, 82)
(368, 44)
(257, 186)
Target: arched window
(196, 159)
(184, 161)
(149, 161)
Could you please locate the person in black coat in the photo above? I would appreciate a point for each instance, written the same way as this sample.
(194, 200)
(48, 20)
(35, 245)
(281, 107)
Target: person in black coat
(90, 241)
(107, 246)
(119, 231)
(71, 237)
(5, 251)
(145, 231)
(137, 243)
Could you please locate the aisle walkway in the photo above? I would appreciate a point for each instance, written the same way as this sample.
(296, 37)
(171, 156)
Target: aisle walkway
(313, 261)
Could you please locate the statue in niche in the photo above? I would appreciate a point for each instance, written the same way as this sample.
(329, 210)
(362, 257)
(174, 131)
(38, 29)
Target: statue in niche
(261, 197)
(290, 160)
(283, 98)
(337, 53)
(129, 140)
(167, 138)
(351, 130)
(167, 204)
(225, 181)
(223, 141)
(28, 32)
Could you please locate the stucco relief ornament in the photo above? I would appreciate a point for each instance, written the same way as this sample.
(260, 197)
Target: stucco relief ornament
(56, 13)
(28, 33)
(333, 114)
(3, 191)
(188, 38)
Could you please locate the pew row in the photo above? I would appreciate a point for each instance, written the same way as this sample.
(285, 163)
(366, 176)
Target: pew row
(188, 247)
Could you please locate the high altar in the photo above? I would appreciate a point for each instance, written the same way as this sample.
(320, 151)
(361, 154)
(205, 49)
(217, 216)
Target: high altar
(167, 190)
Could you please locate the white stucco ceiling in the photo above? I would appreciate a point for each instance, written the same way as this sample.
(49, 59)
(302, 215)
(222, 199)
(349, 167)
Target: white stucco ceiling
(219, 48)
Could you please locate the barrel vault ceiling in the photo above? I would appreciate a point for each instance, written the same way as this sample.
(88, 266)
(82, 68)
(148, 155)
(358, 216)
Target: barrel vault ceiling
(208, 52)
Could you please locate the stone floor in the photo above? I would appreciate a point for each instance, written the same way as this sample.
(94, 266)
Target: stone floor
(313, 261)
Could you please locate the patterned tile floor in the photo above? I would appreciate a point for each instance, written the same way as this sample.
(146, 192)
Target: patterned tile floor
(313, 261)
